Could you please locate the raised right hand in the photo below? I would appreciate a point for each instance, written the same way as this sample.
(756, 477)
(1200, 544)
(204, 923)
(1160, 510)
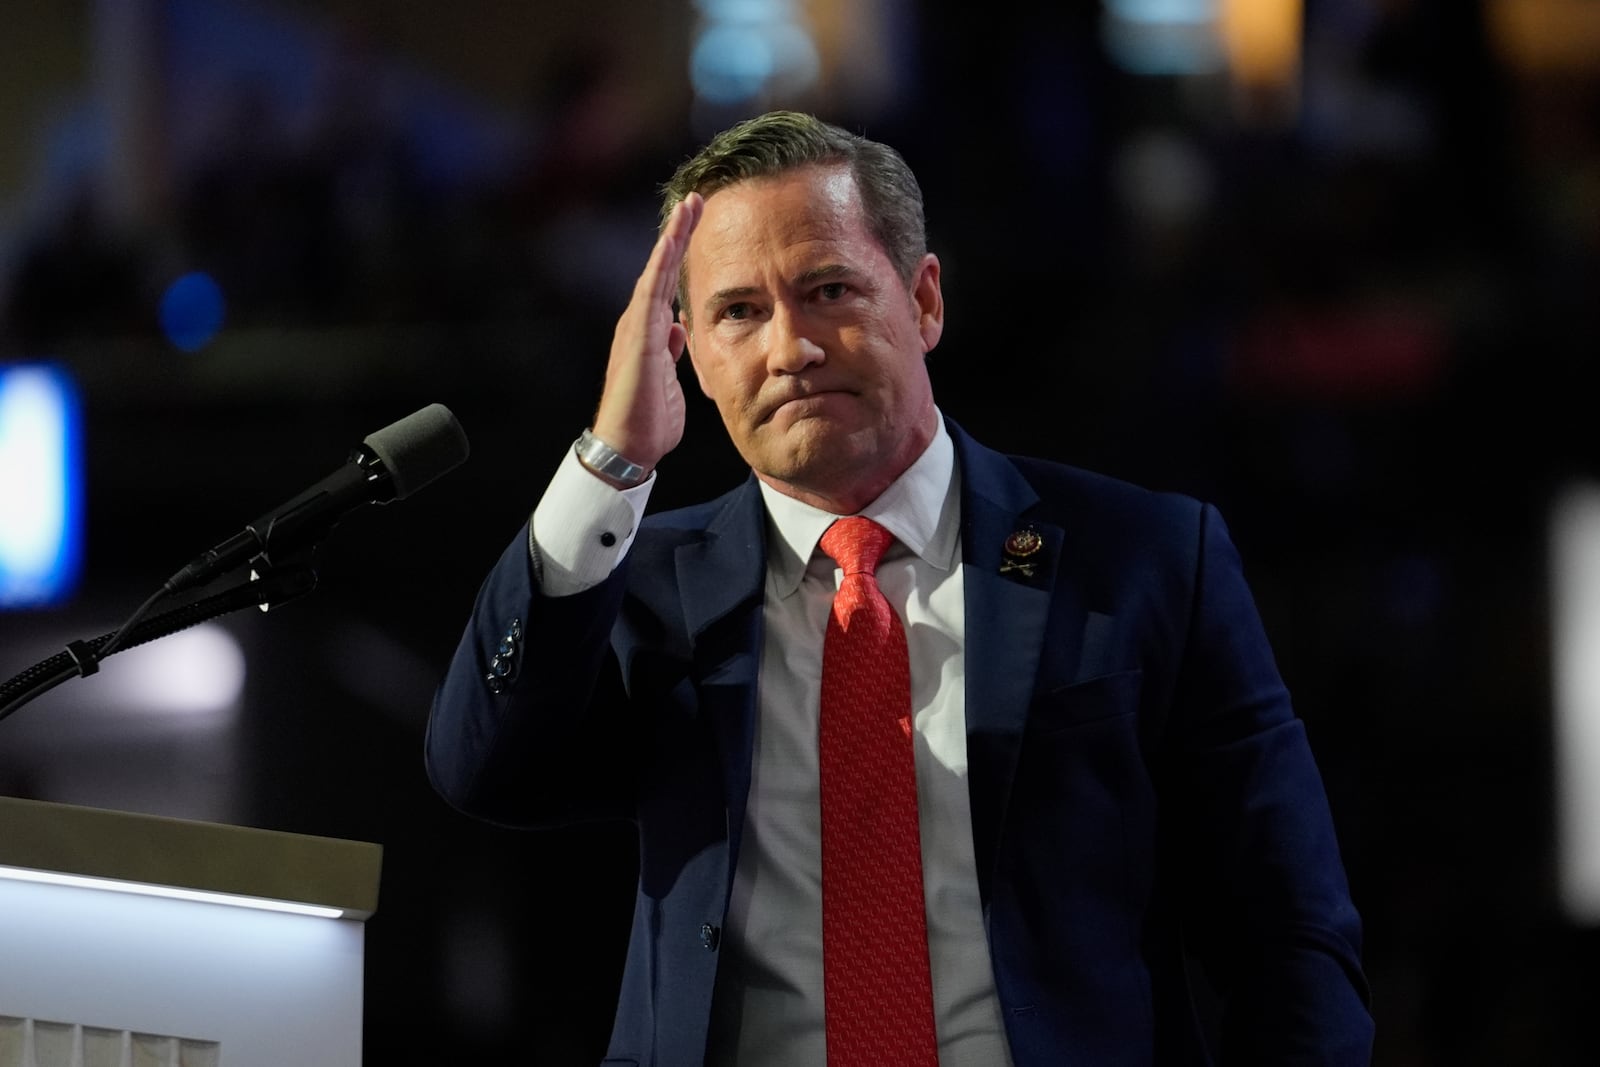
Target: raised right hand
(642, 408)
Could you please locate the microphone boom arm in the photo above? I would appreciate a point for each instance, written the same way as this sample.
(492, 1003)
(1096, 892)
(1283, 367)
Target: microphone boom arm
(389, 464)
(83, 657)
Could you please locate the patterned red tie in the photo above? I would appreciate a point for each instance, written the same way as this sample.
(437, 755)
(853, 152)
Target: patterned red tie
(877, 991)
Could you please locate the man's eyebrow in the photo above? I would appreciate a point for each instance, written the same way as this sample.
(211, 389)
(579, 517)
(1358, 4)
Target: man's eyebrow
(824, 273)
(723, 296)
(811, 276)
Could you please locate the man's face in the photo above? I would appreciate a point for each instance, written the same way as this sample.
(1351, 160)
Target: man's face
(808, 340)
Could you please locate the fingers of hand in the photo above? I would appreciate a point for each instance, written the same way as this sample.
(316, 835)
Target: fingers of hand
(667, 259)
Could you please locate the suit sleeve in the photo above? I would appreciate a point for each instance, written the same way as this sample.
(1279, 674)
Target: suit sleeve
(1270, 916)
(530, 725)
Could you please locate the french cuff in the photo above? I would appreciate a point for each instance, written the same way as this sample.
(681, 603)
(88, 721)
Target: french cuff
(582, 528)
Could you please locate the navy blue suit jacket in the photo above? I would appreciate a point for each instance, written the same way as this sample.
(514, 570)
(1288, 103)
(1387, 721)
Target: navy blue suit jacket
(1143, 798)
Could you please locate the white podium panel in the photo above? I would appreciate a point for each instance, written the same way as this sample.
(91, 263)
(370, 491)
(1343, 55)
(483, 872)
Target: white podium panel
(97, 973)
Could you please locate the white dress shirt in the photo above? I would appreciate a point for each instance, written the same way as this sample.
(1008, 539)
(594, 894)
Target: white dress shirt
(769, 985)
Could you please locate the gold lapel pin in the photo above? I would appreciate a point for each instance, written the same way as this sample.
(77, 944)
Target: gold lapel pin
(1018, 547)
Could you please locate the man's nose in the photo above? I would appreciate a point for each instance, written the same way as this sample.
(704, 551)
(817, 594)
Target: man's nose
(792, 345)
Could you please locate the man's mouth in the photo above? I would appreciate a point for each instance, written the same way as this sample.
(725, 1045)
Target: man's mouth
(803, 400)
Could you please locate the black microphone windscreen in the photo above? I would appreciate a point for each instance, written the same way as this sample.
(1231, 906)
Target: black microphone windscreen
(419, 448)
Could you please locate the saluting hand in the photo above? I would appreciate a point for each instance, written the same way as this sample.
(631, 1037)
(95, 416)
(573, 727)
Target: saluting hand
(642, 408)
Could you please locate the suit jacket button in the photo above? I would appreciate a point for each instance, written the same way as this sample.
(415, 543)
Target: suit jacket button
(710, 936)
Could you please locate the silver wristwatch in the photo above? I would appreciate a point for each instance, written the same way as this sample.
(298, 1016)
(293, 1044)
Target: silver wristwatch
(603, 459)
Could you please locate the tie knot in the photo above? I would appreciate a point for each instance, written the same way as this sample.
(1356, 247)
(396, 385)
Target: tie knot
(856, 544)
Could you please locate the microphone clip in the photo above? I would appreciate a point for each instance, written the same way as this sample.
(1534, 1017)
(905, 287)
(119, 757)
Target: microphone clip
(288, 578)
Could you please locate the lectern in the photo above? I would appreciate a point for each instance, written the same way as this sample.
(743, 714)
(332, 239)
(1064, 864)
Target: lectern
(139, 941)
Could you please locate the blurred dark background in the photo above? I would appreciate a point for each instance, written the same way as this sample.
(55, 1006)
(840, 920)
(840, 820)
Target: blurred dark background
(1331, 264)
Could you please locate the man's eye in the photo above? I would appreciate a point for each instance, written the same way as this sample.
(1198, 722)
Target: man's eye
(736, 311)
(831, 290)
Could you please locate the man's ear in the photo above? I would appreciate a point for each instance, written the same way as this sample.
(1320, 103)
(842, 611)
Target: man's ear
(928, 300)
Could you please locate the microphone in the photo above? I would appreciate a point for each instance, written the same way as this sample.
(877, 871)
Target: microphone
(390, 464)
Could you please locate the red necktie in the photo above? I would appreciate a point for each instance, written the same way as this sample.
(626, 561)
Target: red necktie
(877, 991)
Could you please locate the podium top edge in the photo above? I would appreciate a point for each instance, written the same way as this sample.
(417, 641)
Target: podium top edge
(189, 854)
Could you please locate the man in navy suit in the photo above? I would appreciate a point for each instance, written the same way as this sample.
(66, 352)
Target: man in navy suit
(1117, 808)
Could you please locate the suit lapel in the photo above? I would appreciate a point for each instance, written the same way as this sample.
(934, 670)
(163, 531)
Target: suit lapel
(1008, 593)
(720, 583)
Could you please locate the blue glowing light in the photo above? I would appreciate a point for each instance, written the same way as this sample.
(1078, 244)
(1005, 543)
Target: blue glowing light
(1163, 48)
(192, 311)
(747, 50)
(731, 63)
(41, 486)
(1164, 12)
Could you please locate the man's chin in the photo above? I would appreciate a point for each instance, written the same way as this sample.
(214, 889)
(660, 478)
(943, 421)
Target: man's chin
(811, 449)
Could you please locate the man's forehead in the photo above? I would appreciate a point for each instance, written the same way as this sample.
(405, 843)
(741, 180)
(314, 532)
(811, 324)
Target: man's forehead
(807, 198)
(834, 181)
(789, 214)
(795, 222)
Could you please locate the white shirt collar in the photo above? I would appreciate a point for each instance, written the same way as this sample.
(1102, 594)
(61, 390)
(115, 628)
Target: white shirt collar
(919, 508)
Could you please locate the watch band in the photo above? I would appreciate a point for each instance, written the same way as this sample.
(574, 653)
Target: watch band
(605, 460)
